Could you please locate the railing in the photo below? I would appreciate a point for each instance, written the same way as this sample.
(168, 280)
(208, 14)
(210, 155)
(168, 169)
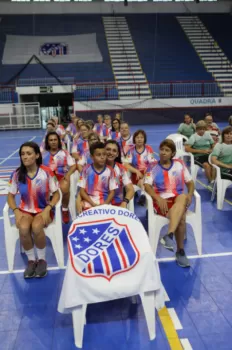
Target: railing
(7, 94)
(45, 81)
(20, 116)
(109, 91)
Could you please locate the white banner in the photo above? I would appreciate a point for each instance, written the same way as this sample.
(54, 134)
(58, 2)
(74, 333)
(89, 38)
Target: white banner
(109, 258)
(51, 49)
(165, 103)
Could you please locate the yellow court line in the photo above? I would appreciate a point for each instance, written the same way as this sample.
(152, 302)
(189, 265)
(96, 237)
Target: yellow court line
(169, 329)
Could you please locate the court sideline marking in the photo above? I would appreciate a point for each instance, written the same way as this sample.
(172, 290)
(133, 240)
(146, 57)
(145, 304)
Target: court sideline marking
(13, 153)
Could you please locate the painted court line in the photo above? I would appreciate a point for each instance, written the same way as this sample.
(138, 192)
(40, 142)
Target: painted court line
(186, 344)
(203, 256)
(175, 318)
(11, 155)
(169, 329)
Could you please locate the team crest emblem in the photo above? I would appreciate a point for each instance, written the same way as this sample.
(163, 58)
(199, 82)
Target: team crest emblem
(101, 248)
(54, 49)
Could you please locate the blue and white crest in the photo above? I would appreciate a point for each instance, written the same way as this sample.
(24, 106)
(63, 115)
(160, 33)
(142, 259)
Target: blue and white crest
(101, 249)
(54, 49)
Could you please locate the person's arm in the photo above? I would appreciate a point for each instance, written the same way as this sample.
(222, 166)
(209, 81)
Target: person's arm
(189, 149)
(130, 168)
(110, 197)
(71, 170)
(79, 204)
(162, 203)
(86, 197)
(129, 191)
(217, 162)
(179, 131)
(191, 187)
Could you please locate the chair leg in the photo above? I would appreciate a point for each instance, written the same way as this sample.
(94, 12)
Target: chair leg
(154, 227)
(148, 301)
(10, 242)
(78, 316)
(221, 190)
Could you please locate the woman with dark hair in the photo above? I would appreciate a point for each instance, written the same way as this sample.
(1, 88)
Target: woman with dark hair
(165, 183)
(139, 158)
(81, 145)
(222, 154)
(113, 159)
(51, 126)
(35, 183)
(63, 166)
(115, 130)
(86, 158)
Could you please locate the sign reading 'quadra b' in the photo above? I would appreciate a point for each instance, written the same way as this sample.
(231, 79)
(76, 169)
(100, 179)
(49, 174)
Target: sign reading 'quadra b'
(54, 49)
(102, 248)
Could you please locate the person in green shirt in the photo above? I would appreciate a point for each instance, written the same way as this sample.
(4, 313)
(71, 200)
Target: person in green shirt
(222, 154)
(188, 127)
(200, 145)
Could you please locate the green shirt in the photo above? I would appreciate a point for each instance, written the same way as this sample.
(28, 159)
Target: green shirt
(186, 129)
(223, 152)
(200, 142)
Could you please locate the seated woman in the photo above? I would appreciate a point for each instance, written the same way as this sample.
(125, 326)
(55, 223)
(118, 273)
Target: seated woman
(81, 145)
(187, 128)
(60, 130)
(51, 126)
(115, 130)
(86, 158)
(113, 159)
(35, 183)
(139, 158)
(164, 182)
(126, 140)
(222, 154)
(99, 126)
(200, 145)
(78, 124)
(63, 166)
(106, 131)
(212, 127)
(71, 129)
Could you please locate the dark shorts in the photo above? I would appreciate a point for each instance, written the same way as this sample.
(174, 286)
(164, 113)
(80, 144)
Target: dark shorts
(34, 214)
(226, 174)
(200, 160)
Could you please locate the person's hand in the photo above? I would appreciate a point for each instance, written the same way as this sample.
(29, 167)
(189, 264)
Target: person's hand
(189, 200)
(139, 175)
(206, 151)
(45, 214)
(123, 205)
(80, 207)
(18, 217)
(66, 177)
(163, 205)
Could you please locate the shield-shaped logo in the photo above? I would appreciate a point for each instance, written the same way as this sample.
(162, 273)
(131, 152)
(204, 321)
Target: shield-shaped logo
(101, 248)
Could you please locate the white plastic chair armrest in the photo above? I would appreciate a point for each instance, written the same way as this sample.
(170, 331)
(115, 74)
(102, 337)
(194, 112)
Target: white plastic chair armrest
(58, 208)
(197, 202)
(149, 204)
(6, 208)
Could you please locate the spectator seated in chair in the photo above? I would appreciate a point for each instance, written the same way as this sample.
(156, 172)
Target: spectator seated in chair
(187, 128)
(63, 166)
(97, 181)
(212, 127)
(222, 154)
(113, 159)
(35, 183)
(81, 146)
(201, 145)
(165, 183)
(138, 159)
(115, 130)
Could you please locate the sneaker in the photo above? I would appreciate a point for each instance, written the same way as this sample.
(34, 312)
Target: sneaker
(182, 259)
(30, 270)
(142, 200)
(167, 242)
(41, 269)
(65, 216)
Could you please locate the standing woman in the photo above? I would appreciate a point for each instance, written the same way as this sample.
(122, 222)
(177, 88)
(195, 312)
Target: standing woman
(63, 166)
(115, 131)
(35, 183)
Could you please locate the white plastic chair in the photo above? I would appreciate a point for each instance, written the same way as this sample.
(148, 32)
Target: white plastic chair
(178, 140)
(220, 185)
(156, 222)
(53, 232)
(79, 318)
(73, 190)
